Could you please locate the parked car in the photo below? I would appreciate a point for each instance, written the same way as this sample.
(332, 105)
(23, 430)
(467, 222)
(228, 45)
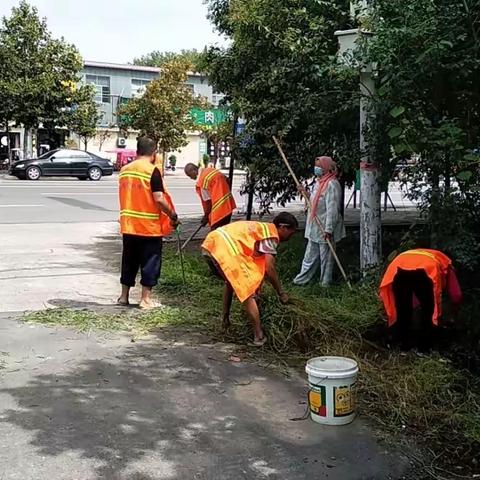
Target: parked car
(63, 163)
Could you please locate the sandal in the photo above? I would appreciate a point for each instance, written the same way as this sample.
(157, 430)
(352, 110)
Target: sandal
(123, 304)
(151, 305)
(260, 342)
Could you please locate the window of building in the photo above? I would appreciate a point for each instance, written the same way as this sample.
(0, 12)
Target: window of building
(139, 86)
(102, 87)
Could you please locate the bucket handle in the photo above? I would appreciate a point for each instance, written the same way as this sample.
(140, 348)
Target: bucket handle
(306, 415)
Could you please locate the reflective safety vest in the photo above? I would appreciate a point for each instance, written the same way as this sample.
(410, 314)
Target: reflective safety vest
(139, 212)
(233, 248)
(215, 183)
(434, 263)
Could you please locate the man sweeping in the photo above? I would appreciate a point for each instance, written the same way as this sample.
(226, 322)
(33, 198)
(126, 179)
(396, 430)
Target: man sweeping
(243, 254)
(416, 279)
(215, 194)
(147, 215)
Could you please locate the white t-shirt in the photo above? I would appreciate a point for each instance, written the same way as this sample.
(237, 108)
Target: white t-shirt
(269, 246)
(205, 195)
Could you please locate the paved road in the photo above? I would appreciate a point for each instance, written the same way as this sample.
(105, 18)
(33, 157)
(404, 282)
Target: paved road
(73, 201)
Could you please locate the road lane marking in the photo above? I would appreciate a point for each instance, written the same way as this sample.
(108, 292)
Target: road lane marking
(75, 194)
(82, 187)
(20, 206)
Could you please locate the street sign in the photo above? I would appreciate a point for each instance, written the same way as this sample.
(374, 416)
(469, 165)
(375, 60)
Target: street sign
(212, 117)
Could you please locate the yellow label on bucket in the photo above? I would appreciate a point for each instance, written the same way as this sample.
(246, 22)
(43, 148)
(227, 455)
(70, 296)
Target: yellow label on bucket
(344, 401)
(317, 401)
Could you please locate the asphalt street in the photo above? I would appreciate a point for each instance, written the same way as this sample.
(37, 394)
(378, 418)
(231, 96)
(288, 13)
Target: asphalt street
(73, 201)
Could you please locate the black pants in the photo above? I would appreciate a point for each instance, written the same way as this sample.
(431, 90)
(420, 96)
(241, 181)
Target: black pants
(144, 253)
(405, 284)
(214, 267)
(224, 221)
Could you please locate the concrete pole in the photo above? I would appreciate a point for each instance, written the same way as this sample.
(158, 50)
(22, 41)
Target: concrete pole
(370, 207)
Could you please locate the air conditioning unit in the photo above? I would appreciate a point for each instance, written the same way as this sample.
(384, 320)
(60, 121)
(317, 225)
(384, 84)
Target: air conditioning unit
(121, 142)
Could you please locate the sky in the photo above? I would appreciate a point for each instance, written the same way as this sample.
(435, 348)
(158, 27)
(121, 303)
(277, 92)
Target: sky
(119, 30)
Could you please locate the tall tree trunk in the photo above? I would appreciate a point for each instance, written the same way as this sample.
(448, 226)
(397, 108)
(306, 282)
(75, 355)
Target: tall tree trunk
(27, 142)
(231, 169)
(9, 149)
(342, 197)
(251, 194)
(448, 173)
(370, 206)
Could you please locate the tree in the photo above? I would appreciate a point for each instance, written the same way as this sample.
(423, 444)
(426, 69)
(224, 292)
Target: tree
(158, 59)
(428, 60)
(104, 135)
(279, 72)
(162, 112)
(84, 115)
(37, 70)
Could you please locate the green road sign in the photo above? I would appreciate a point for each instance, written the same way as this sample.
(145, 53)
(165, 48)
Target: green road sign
(212, 117)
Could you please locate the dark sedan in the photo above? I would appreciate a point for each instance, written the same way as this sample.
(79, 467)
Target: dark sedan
(63, 163)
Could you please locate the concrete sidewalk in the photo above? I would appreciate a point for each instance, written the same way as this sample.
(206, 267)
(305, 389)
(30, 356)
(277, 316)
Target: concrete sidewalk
(77, 407)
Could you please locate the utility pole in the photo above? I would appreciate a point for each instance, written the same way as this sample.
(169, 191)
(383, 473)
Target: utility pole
(370, 203)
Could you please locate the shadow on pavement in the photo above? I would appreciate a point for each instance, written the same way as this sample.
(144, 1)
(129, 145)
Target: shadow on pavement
(160, 411)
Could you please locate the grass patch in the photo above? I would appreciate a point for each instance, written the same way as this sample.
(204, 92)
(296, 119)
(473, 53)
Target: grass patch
(134, 322)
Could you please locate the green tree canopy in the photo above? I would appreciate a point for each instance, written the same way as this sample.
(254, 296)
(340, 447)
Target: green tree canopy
(38, 72)
(428, 98)
(279, 73)
(158, 58)
(84, 115)
(162, 112)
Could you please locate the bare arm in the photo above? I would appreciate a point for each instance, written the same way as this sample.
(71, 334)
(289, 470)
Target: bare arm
(164, 207)
(272, 277)
(207, 210)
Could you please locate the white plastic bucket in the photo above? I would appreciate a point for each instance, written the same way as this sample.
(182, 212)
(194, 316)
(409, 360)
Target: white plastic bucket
(331, 397)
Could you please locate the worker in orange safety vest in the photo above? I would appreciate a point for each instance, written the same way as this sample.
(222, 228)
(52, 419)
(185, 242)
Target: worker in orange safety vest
(147, 215)
(243, 254)
(416, 279)
(214, 191)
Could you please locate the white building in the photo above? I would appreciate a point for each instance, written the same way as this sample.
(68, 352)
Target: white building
(115, 82)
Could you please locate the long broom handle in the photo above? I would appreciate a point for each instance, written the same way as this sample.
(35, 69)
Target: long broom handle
(181, 258)
(309, 203)
(191, 237)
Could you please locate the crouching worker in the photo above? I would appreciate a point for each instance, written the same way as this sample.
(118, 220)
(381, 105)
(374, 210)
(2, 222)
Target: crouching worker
(215, 194)
(243, 254)
(415, 280)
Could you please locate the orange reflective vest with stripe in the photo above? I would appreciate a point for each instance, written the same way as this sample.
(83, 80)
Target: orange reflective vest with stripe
(139, 212)
(233, 248)
(215, 183)
(434, 263)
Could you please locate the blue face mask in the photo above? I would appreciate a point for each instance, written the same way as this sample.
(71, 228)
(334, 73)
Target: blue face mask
(318, 171)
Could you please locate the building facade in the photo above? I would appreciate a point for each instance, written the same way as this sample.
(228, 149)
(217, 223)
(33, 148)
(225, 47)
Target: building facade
(116, 82)
(113, 83)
